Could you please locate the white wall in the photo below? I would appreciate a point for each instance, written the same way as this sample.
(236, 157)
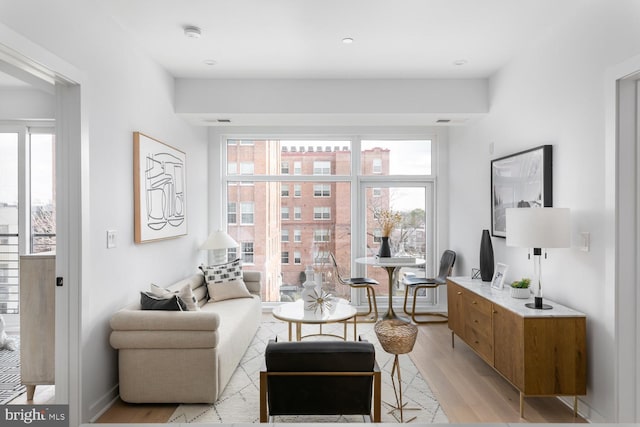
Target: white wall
(553, 93)
(25, 104)
(126, 92)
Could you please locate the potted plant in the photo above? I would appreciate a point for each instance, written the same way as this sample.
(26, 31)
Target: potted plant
(520, 288)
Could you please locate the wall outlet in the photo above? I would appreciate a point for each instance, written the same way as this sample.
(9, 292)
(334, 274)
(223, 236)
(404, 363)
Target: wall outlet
(111, 239)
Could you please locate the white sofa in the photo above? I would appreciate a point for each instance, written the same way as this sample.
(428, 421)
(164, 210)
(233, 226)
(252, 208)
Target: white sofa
(184, 357)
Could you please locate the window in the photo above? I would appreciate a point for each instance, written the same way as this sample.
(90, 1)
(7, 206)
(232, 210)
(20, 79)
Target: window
(376, 165)
(322, 167)
(246, 142)
(396, 157)
(322, 213)
(322, 190)
(246, 168)
(232, 213)
(232, 169)
(288, 232)
(27, 168)
(247, 252)
(321, 236)
(321, 257)
(377, 234)
(246, 213)
(232, 254)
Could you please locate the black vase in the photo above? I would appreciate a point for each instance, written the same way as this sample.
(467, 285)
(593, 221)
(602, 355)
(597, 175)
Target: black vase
(486, 257)
(385, 249)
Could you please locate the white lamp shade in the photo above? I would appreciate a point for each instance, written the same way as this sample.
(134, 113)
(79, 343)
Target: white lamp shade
(538, 227)
(219, 240)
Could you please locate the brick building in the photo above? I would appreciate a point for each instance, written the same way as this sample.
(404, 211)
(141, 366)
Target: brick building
(285, 224)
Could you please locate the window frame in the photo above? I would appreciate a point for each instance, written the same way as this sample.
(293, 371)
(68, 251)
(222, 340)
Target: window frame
(355, 177)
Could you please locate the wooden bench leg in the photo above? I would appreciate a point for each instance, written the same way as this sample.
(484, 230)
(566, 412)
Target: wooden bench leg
(31, 390)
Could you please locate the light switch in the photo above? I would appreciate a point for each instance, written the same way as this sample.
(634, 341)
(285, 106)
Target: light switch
(585, 241)
(111, 239)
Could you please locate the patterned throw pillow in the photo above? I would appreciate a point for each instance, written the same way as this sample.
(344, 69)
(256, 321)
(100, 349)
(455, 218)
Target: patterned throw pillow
(224, 281)
(185, 294)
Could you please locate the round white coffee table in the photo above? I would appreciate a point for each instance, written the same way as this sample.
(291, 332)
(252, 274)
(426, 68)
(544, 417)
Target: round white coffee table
(293, 312)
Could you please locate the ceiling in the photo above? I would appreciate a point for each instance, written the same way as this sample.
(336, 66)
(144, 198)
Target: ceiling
(303, 38)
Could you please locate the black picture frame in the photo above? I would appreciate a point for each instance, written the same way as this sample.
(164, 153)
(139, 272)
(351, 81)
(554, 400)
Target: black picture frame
(520, 180)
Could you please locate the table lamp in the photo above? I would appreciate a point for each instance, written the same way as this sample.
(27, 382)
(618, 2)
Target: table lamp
(538, 228)
(218, 242)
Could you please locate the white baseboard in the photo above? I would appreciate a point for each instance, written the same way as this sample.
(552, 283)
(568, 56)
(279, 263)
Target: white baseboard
(103, 404)
(584, 410)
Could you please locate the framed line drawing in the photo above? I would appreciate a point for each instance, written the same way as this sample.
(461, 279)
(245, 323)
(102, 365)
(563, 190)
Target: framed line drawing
(521, 180)
(159, 184)
(498, 276)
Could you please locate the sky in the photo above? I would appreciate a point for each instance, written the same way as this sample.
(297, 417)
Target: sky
(41, 171)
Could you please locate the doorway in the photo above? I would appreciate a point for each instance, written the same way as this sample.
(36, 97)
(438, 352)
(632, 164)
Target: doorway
(41, 68)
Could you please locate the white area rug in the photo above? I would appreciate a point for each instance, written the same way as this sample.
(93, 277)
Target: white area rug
(239, 401)
(10, 382)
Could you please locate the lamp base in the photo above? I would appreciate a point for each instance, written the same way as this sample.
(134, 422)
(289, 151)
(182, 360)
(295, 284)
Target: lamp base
(538, 305)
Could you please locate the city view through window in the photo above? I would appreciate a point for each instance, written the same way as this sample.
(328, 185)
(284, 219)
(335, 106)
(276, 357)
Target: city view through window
(292, 203)
(30, 182)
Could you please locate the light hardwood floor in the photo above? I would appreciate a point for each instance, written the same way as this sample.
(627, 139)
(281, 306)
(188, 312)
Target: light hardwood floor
(467, 388)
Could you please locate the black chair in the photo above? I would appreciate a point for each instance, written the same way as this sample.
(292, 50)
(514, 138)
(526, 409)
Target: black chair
(359, 283)
(417, 283)
(320, 378)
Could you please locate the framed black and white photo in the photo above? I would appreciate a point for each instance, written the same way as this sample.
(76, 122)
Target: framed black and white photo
(160, 204)
(521, 180)
(498, 276)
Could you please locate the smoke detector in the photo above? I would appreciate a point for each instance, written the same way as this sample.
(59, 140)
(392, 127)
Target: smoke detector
(192, 32)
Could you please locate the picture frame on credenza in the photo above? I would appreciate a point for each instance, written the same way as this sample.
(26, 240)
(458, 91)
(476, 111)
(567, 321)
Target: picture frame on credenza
(497, 281)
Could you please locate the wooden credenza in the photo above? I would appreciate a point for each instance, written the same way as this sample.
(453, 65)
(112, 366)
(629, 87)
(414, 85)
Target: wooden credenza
(540, 352)
(37, 320)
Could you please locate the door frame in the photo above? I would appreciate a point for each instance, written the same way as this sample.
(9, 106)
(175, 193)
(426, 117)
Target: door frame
(623, 213)
(72, 203)
(359, 217)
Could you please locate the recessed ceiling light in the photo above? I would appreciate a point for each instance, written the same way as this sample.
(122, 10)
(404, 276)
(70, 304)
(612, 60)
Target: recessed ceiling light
(459, 62)
(347, 40)
(210, 62)
(192, 32)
